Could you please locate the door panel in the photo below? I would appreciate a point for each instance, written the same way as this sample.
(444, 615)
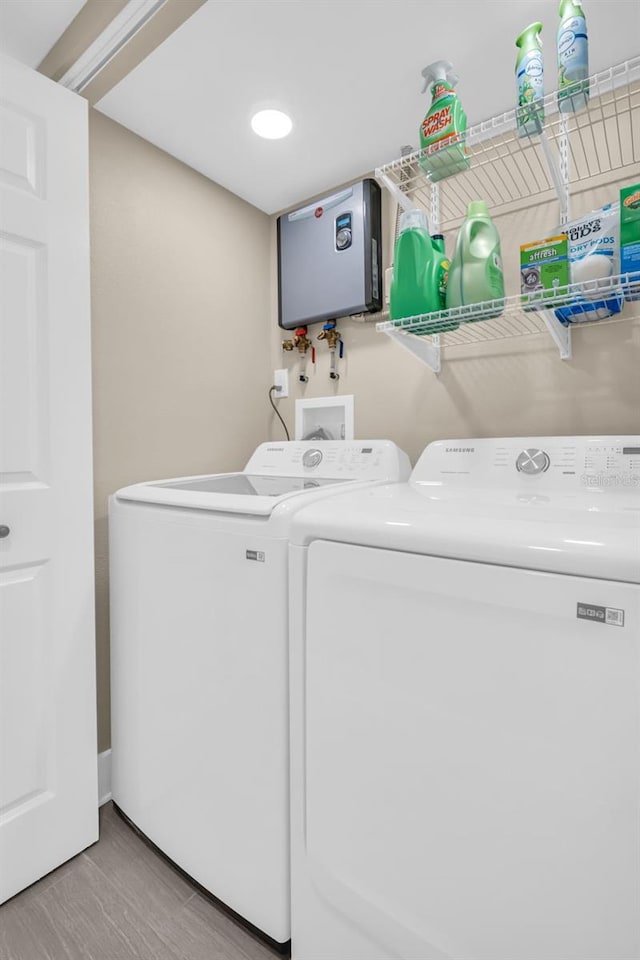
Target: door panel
(21, 149)
(23, 361)
(48, 782)
(472, 750)
(23, 729)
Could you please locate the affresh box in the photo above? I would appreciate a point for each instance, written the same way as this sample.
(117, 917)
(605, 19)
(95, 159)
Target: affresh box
(544, 268)
(630, 239)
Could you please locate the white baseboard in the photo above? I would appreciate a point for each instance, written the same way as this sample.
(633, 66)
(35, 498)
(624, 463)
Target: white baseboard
(104, 777)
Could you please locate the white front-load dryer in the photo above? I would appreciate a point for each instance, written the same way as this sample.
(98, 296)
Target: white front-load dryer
(465, 717)
(199, 662)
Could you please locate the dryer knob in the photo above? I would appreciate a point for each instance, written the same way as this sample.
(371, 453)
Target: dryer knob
(533, 461)
(311, 458)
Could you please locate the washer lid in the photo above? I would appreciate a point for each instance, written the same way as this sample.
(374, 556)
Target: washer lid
(226, 493)
(275, 474)
(248, 485)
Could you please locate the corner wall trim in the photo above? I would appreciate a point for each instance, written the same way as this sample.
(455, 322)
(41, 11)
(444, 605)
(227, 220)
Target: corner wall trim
(104, 777)
(113, 38)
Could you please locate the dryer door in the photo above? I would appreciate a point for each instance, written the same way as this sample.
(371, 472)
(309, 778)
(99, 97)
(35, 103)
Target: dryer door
(471, 785)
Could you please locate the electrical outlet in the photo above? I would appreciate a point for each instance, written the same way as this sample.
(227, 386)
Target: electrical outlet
(281, 382)
(388, 277)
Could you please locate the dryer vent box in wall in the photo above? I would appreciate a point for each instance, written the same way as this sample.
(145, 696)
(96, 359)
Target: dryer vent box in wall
(329, 257)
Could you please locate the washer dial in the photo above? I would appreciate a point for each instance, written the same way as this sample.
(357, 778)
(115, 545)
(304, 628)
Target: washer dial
(311, 458)
(532, 461)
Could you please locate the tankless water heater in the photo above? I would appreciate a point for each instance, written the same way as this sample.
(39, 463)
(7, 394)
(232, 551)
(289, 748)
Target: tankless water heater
(329, 257)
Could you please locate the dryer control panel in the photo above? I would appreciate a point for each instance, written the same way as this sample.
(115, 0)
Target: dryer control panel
(331, 459)
(553, 463)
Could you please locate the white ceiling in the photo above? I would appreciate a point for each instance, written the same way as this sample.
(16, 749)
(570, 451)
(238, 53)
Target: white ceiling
(348, 73)
(29, 28)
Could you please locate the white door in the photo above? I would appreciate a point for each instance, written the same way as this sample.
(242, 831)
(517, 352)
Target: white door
(471, 760)
(48, 780)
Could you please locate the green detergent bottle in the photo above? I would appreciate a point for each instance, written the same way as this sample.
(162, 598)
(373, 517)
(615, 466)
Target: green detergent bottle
(475, 274)
(420, 273)
(530, 81)
(437, 240)
(443, 130)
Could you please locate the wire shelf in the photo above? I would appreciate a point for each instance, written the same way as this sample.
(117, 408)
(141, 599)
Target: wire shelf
(522, 314)
(518, 316)
(506, 169)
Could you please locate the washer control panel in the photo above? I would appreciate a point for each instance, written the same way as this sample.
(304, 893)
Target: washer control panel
(331, 459)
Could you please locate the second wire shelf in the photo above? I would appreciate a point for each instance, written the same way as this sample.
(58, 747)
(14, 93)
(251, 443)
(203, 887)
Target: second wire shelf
(508, 170)
(515, 316)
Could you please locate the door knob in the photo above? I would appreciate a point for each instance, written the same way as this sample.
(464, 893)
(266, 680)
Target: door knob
(4, 531)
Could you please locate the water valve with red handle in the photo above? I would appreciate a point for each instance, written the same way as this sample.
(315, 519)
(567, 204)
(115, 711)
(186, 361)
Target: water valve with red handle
(300, 342)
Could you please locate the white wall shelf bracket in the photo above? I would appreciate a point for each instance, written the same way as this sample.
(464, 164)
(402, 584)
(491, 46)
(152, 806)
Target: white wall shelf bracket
(435, 208)
(559, 174)
(427, 351)
(563, 151)
(399, 195)
(560, 333)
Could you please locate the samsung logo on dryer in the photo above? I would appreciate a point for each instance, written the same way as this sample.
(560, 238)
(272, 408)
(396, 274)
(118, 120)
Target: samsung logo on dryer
(275, 449)
(459, 449)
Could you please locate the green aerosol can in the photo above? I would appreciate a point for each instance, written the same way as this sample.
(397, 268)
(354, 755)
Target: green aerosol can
(530, 81)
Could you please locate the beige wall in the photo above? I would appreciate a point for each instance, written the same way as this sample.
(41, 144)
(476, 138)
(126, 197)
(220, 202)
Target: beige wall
(504, 388)
(185, 339)
(181, 328)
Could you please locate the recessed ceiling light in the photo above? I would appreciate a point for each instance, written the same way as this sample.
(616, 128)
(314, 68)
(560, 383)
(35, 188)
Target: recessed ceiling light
(271, 124)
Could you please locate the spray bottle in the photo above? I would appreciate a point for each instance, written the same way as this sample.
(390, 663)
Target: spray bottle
(530, 80)
(443, 131)
(573, 58)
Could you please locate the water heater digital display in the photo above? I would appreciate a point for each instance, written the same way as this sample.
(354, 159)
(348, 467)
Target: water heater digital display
(344, 235)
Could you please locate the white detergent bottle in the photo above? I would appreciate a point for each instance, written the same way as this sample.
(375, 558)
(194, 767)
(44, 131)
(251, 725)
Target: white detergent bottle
(475, 274)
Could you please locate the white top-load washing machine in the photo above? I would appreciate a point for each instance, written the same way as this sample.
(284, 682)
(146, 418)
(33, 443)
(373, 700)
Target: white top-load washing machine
(465, 712)
(199, 668)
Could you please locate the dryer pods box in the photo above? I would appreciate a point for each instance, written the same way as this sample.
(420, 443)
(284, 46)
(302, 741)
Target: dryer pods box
(544, 269)
(630, 239)
(594, 257)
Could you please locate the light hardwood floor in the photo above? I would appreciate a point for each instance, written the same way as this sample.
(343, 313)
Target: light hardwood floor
(120, 901)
